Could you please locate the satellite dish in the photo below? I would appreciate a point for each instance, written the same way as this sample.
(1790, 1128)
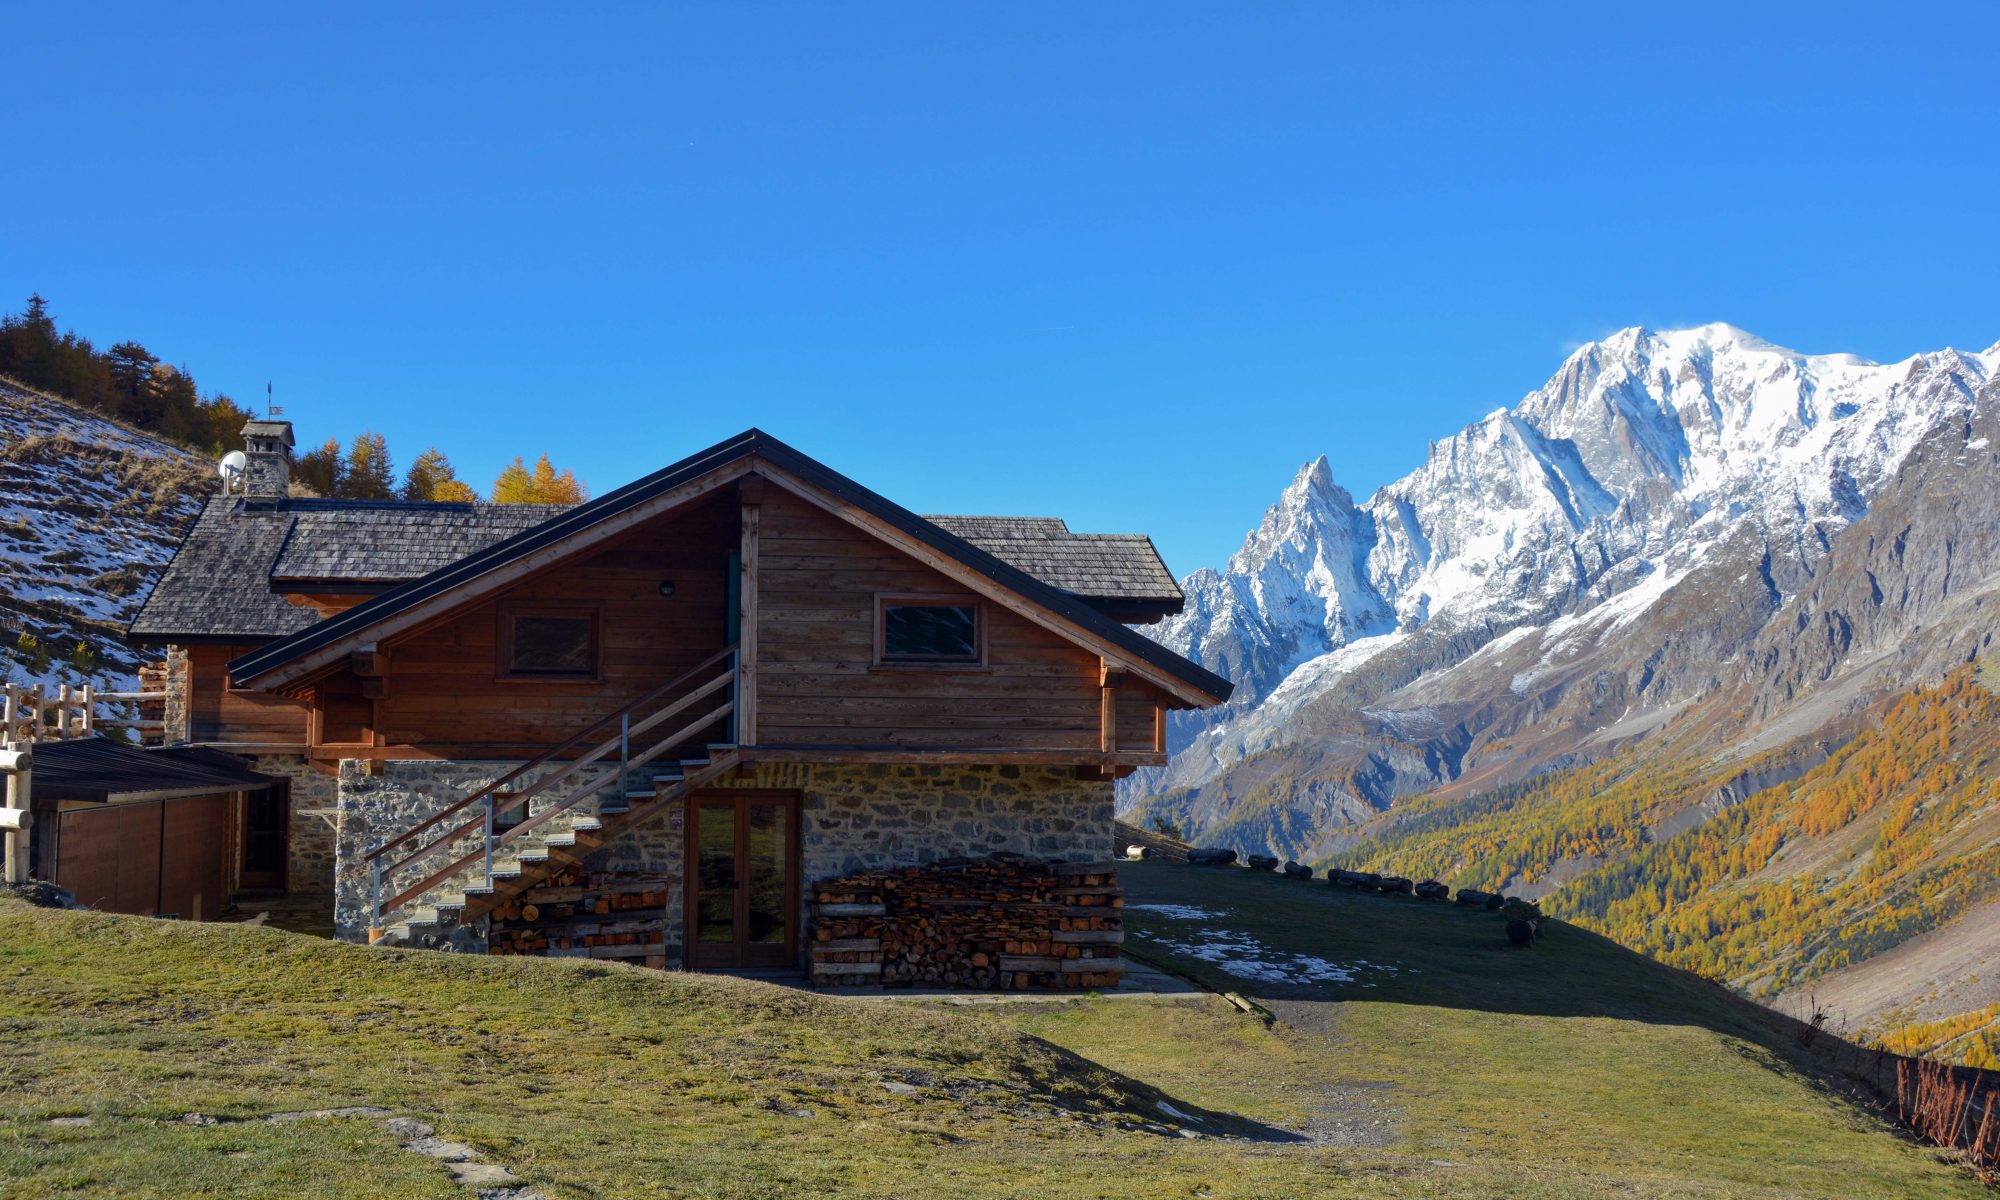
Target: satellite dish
(231, 469)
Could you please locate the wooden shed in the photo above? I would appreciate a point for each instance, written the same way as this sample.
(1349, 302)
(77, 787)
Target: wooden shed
(160, 832)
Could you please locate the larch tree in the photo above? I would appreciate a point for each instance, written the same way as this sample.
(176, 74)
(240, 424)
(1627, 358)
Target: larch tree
(553, 488)
(543, 485)
(515, 485)
(369, 474)
(320, 469)
(428, 476)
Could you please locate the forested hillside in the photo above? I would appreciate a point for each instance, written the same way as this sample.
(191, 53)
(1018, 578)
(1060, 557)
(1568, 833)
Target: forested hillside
(1894, 835)
(134, 387)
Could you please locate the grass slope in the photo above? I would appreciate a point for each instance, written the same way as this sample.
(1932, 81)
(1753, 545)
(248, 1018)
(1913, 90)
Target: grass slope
(1467, 1070)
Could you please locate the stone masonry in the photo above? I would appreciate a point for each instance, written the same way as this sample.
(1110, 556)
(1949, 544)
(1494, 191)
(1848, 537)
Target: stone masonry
(309, 866)
(852, 817)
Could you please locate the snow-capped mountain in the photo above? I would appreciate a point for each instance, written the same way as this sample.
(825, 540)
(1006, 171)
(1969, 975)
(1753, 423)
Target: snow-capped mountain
(1650, 459)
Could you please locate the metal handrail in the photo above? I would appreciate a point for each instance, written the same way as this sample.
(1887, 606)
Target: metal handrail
(517, 799)
(492, 795)
(491, 843)
(571, 744)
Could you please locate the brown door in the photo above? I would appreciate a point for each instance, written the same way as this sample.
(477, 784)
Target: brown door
(265, 826)
(742, 879)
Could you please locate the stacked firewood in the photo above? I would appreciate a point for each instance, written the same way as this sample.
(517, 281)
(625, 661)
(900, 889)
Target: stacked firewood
(575, 914)
(999, 922)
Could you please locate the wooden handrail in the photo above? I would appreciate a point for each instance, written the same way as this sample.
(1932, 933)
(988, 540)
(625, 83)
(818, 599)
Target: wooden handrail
(447, 871)
(581, 737)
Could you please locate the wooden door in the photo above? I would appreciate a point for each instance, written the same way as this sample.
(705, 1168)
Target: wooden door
(742, 879)
(266, 826)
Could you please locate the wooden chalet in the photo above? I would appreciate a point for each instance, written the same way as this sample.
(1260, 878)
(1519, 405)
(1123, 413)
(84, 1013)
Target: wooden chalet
(674, 716)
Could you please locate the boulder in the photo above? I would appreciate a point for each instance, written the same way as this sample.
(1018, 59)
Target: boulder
(1211, 858)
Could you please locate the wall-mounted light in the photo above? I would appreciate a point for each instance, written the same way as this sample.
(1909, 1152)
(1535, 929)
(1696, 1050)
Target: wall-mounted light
(666, 587)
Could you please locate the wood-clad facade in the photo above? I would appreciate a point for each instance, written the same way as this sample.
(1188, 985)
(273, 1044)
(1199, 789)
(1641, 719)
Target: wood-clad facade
(773, 624)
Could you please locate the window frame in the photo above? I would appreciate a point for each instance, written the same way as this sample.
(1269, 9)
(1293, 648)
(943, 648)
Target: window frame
(884, 601)
(503, 656)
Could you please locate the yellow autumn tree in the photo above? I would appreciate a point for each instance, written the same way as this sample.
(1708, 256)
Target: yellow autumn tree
(517, 484)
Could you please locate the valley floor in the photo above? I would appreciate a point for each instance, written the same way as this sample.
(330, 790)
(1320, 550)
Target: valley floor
(1408, 1052)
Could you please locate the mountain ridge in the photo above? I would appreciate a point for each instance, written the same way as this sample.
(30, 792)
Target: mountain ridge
(1647, 460)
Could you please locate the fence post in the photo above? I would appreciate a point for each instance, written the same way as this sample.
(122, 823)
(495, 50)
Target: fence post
(375, 901)
(17, 762)
(489, 838)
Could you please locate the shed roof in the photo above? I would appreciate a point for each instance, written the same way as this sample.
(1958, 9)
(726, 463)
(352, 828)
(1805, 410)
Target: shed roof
(102, 770)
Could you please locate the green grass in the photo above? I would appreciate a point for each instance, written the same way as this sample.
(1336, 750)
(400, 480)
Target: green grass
(1458, 1076)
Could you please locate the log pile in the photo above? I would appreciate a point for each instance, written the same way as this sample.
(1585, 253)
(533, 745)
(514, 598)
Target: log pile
(576, 914)
(993, 923)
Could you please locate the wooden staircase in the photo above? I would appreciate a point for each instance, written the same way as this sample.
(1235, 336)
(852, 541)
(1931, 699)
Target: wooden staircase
(490, 862)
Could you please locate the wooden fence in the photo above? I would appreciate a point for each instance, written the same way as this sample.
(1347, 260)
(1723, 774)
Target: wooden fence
(39, 713)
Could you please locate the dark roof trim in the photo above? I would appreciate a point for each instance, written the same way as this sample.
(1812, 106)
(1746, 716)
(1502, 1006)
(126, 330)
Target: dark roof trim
(97, 769)
(751, 443)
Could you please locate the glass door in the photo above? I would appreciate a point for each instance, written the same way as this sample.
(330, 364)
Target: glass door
(742, 879)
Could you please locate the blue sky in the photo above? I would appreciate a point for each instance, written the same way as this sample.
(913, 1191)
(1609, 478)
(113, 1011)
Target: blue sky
(1128, 264)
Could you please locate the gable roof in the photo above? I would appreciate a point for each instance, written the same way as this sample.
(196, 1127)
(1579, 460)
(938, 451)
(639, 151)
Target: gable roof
(229, 578)
(727, 460)
(1124, 569)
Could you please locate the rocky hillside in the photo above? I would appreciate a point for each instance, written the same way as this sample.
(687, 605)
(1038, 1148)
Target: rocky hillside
(90, 512)
(1562, 578)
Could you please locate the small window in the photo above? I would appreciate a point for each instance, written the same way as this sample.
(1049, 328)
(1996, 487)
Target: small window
(929, 629)
(549, 643)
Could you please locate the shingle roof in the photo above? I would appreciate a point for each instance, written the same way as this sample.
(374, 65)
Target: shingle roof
(393, 542)
(221, 583)
(756, 444)
(1124, 568)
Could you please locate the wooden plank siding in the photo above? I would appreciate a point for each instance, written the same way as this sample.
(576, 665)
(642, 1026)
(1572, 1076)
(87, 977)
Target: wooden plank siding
(818, 683)
(807, 607)
(220, 715)
(444, 694)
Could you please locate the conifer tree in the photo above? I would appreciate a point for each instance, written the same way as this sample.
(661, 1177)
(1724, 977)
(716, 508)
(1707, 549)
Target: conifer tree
(428, 475)
(544, 485)
(552, 488)
(369, 474)
(320, 469)
(515, 485)
(456, 491)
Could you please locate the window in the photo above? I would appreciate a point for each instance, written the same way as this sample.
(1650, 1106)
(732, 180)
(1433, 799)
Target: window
(549, 642)
(938, 630)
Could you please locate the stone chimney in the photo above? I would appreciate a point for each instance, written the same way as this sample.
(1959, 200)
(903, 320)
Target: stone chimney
(268, 446)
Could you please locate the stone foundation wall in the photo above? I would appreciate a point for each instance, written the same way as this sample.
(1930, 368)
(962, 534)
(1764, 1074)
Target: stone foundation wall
(374, 808)
(310, 854)
(852, 818)
(859, 817)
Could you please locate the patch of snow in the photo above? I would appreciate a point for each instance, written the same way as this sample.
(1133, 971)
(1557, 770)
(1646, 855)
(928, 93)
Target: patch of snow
(1245, 957)
(1176, 912)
